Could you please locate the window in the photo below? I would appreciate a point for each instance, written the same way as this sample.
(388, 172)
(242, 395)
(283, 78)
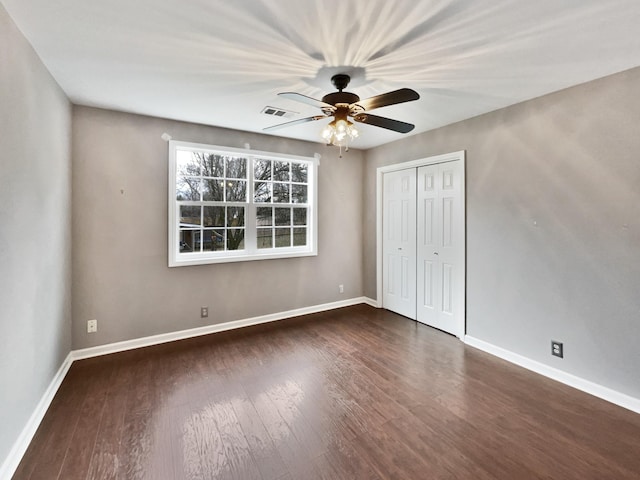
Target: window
(229, 205)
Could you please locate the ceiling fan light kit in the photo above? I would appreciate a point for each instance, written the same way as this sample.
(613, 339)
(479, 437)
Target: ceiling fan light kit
(340, 130)
(342, 105)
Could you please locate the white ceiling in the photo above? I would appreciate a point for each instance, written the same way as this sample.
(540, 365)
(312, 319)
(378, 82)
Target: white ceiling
(220, 62)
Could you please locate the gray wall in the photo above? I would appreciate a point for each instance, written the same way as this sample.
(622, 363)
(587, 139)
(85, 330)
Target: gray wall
(553, 226)
(35, 231)
(120, 273)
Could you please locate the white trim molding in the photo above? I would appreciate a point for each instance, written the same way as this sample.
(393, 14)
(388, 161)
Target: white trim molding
(371, 302)
(613, 396)
(12, 461)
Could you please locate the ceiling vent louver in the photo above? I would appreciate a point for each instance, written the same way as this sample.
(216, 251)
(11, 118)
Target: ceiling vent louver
(278, 112)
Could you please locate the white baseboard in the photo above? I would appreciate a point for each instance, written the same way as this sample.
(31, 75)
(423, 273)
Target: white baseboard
(12, 461)
(371, 302)
(220, 327)
(587, 386)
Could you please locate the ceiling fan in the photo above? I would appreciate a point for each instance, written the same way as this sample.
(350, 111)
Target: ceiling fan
(342, 105)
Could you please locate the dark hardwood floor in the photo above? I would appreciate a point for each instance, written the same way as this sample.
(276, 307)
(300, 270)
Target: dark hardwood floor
(355, 393)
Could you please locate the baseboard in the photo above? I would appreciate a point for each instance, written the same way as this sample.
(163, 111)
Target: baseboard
(12, 461)
(220, 327)
(597, 390)
(371, 302)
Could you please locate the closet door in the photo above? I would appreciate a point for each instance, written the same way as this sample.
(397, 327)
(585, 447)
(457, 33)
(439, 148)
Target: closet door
(440, 247)
(399, 242)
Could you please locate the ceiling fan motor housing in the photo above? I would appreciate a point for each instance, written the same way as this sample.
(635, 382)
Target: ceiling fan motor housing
(335, 98)
(340, 98)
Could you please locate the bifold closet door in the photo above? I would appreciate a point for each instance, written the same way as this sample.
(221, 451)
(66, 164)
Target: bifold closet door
(440, 247)
(399, 242)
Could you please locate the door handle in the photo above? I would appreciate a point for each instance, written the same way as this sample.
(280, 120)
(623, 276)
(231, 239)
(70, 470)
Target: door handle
(435, 253)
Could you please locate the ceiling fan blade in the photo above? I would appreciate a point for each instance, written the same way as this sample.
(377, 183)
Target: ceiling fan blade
(388, 123)
(389, 98)
(295, 122)
(298, 97)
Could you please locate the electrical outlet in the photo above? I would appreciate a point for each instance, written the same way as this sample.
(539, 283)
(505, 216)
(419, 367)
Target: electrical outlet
(556, 349)
(341, 288)
(204, 312)
(92, 326)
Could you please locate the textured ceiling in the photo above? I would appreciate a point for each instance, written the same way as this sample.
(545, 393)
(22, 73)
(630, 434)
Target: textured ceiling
(220, 63)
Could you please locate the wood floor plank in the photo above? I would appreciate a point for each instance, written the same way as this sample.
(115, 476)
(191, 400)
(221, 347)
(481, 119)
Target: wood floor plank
(354, 393)
(104, 458)
(237, 450)
(53, 439)
(78, 455)
(444, 458)
(203, 451)
(297, 452)
(390, 457)
(483, 447)
(162, 458)
(260, 442)
(343, 461)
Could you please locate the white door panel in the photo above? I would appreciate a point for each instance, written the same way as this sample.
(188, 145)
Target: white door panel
(440, 247)
(399, 242)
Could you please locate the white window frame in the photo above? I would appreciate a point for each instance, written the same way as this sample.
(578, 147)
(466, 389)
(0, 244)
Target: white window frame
(251, 252)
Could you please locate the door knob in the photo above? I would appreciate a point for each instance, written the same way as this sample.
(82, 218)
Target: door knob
(435, 253)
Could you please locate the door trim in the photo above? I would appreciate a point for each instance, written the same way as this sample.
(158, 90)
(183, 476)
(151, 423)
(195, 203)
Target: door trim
(380, 171)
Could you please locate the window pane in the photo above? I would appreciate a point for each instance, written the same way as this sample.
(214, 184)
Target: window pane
(235, 216)
(236, 167)
(262, 169)
(213, 165)
(299, 216)
(196, 240)
(189, 216)
(283, 237)
(264, 216)
(188, 188)
(299, 172)
(213, 216)
(187, 163)
(298, 194)
(236, 191)
(282, 216)
(280, 193)
(213, 240)
(265, 237)
(281, 171)
(212, 190)
(188, 240)
(299, 237)
(262, 193)
(235, 239)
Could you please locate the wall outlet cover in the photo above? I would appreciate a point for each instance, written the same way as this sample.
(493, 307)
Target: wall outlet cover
(92, 326)
(557, 349)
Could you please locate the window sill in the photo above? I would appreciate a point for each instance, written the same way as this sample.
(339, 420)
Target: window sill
(199, 259)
